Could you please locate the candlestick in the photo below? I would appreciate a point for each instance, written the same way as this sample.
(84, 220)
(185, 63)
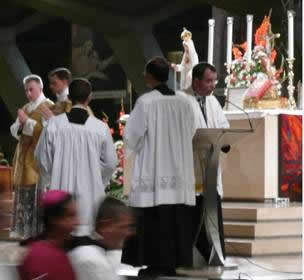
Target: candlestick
(290, 15)
(229, 40)
(290, 87)
(228, 69)
(211, 23)
(249, 36)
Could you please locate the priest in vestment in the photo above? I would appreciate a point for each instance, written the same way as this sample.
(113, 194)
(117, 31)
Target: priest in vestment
(76, 153)
(159, 131)
(59, 80)
(27, 129)
(208, 114)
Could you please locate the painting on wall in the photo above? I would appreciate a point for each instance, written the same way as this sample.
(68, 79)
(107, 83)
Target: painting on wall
(92, 58)
(290, 157)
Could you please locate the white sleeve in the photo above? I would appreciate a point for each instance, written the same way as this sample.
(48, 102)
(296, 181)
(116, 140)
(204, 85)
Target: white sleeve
(15, 128)
(44, 157)
(28, 128)
(91, 266)
(223, 122)
(135, 129)
(108, 157)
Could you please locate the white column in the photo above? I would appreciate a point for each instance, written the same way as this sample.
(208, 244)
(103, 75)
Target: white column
(249, 36)
(211, 23)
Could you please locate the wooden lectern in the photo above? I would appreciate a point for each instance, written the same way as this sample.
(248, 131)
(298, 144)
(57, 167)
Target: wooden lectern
(214, 139)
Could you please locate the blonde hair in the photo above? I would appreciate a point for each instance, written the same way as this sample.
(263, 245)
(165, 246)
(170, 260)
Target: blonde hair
(185, 33)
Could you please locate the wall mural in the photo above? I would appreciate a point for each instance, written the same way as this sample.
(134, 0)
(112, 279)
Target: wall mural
(92, 58)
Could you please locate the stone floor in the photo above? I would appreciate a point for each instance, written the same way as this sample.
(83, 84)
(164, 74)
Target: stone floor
(257, 268)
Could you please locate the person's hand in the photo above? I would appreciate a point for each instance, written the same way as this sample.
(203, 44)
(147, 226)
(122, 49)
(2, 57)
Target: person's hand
(173, 65)
(46, 112)
(22, 116)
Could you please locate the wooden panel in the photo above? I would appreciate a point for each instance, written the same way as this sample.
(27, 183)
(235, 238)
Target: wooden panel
(6, 182)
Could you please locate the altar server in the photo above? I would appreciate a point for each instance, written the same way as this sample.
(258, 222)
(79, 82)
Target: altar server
(59, 80)
(159, 131)
(76, 154)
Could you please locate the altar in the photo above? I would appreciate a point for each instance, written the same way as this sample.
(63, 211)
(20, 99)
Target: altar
(266, 164)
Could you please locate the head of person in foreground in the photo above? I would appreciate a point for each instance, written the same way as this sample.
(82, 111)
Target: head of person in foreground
(114, 222)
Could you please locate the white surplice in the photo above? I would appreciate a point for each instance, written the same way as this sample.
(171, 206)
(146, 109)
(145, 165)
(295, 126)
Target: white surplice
(92, 262)
(79, 159)
(160, 131)
(215, 119)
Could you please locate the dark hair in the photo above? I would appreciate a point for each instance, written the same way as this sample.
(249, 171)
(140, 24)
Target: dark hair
(158, 67)
(198, 70)
(111, 208)
(52, 212)
(79, 90)
(61, 73)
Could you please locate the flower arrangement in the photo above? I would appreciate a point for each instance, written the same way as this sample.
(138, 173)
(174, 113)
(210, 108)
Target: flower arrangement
(243, 72)
(115, 187)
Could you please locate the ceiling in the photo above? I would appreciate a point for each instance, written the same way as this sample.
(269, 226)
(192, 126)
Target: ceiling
(121, 16)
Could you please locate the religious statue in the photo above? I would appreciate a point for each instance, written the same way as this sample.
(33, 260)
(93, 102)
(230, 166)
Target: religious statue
(189, 60)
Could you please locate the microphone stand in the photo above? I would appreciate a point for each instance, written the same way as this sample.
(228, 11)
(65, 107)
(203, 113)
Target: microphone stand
(241, 109)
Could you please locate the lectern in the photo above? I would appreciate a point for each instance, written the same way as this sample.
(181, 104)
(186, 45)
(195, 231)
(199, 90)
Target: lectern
(214, 139)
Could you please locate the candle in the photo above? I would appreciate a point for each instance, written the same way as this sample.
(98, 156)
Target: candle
(290, 15)
(249, 36)
(211, 23)
(229, 40)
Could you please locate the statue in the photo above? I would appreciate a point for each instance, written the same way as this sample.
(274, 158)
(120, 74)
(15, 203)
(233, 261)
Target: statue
(189, 60)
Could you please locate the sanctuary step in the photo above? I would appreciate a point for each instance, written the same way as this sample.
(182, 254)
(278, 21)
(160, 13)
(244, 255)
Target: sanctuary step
(258, 229)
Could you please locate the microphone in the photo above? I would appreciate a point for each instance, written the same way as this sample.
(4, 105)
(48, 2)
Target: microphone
(226, 100)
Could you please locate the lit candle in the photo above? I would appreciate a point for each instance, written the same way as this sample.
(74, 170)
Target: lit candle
(290, 15)
(229, 40)
(249, 36)
(211, 23)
